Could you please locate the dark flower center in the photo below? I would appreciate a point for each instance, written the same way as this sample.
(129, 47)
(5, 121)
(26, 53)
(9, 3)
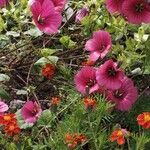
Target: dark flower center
(41, 20)
(102, 48)
(34, 111)
(139, 7)
(90, 83)
(112, 72)
(118, 94)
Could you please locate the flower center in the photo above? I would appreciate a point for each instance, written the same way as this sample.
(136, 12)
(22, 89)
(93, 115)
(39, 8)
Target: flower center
(118, 94)
(147, 118)
(102, 48)
(7, 118)
(34, 111)
(90, 83)
(41, 20)
(119, 133)
(112, 72)
(139, 7)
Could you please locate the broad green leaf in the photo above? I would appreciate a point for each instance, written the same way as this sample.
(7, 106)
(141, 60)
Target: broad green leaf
(45, 119)
(47, 52)
(34, 32)
(67, 42)
(4, 77)
(4, 94)
(44, 60)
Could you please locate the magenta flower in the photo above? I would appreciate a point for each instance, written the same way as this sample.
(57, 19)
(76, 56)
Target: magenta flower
(46, 18)
(81, 14)
(125, 96)
(114, 6)
(31, 111)
(3, 3)
(85, 80)
(99, 45)
(136, 11)
(59, 4)
(109, 75)
(3, 107)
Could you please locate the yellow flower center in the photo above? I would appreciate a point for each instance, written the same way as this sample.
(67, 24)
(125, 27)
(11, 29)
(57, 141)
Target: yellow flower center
(7, 118)
(147, 118)
(119, 133)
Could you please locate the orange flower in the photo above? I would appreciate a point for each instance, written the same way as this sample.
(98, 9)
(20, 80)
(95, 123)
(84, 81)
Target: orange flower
(88, 63)
(144, 120)
(6, 118)
(12, 128)
(89, 103)
(55, 101)
(72, 140)
(48, 71)
(119, 136)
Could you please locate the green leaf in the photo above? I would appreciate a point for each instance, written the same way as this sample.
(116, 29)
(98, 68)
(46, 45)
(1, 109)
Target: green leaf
(34, 32)
(44, 60)
(4, 77)
(45, 119)
(47, 52)
(2, 25)
(21, 92)
(13, 33)
(22, 124)
(67, 42)
(4, 94)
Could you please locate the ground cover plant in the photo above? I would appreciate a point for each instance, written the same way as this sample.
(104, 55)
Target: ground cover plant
(75, 74)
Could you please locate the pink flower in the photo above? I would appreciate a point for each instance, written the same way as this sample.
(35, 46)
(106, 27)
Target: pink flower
(114, 6)
(85, 80)
(31, 111)
(46, 18)
(3, 107)
(136, 11)
(3, 3)
(99, 45)
(109, 75)
(81, 14)
(59, 4)
(125, 96)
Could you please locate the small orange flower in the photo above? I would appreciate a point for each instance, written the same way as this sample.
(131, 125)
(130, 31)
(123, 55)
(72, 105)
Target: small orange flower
(72, 140)
(48, 71)
(119, 136)
(6, 118)
(89, 103)
(12, 129)
(88, 63)
(55, 101)
(144, 120)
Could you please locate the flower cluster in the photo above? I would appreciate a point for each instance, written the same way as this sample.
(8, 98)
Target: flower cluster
(144, 120)
(89, 103)
(119, 136)
(48, 71)
(72, 140)
(47, 14)
(9, 121)
(108, 79)
(3, 3)
(135, 11)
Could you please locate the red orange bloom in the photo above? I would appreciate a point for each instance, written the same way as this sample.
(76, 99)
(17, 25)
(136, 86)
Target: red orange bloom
(6, 118)
(55, 101)
(12, 128)
(72, 140)
(119, 136)
(144, 120)
(48, 71)
(89, 103)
